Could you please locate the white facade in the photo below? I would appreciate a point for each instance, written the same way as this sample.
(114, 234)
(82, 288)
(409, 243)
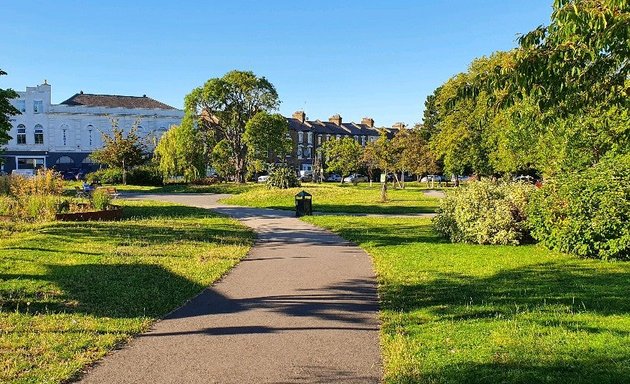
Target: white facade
(64, 135)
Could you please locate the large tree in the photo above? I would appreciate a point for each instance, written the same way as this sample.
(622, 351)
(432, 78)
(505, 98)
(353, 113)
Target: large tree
(223, 106)
(6, 111)
(267, 137)
(343, 156)
(120, 150)
(180, 152)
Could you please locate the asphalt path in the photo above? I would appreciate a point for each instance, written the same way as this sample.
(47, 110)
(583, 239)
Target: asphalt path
(301, 308)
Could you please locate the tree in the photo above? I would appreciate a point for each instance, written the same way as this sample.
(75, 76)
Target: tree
(369, 160)
(180, 152)
(416, 154)
(343, 156)
(222, 160)
(6, 111)
(223, 106)
(388, 155)
(267, 137)
(120, 150)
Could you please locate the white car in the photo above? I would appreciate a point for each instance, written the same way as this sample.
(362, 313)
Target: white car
(429, 178)
(333, 177)
(263, 179)
(355, 178)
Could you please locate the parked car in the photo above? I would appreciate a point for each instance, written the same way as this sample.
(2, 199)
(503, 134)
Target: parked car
(430, 178)
(355, 178)
(333, 177)
(263, 178)
(306, 176)
(24, 172)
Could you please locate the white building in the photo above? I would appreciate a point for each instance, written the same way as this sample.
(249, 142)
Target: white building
(63, 135)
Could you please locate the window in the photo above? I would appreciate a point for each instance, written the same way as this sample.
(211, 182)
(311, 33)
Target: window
(90, 128)
(319, 139)
(307, 152)
(65, 160)
(39, 134)
(363, 141)
(21, 134)
(356, 138)
(300, 136)
(38, 106)
(309, 136)
(299, 152)
(338, 137)
(30, 162)
(64, 137)
(327, 137)
(21, 105)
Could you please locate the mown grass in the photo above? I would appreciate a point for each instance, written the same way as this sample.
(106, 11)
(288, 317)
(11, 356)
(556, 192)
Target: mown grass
(335, 198)
(70, 292)
(231, 188)
(458, 313)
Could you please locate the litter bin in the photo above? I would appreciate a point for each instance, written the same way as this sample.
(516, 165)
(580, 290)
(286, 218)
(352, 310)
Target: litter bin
(303, 204)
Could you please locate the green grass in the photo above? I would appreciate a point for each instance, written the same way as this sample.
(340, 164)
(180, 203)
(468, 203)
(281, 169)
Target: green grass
(70, 292)
(459, 313)
(231, 188)
(335, 198)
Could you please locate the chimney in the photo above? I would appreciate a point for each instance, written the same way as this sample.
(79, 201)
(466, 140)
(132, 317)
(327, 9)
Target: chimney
(399, 126)
(368, 121)
(300, 115)
(335, 119)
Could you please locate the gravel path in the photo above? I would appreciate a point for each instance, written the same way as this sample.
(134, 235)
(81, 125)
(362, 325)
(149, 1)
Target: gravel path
(301, 308)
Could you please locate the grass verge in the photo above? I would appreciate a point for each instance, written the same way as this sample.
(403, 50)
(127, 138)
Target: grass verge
(70, 292)
(335, 198)
(459, 313)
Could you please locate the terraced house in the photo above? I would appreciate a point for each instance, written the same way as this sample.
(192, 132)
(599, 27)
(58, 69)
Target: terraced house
(63, 135)
(308, 135)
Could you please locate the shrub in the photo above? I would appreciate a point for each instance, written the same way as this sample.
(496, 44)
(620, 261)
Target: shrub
(485, 212)
(145, 175)
(586, 213)
(45, 182)
(282, 177)
(5, 185)
(8, 205)
(100, 199)
(38, 207)
(106, 176)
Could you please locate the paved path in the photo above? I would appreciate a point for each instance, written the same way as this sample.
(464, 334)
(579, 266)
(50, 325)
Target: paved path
(301, 308)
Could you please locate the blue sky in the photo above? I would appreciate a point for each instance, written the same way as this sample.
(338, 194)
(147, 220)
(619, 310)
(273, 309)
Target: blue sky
(357, 58)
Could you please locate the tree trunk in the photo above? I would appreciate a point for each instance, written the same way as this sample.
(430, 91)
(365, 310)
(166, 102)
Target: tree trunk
(384, 192)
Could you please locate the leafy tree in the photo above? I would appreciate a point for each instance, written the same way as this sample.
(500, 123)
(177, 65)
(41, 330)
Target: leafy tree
(222, 160)
(6, 111)
(343, 156)
(223, 106)
(180, 152)
(416, 155)
(120, 150)
(387, 154)
(369, 160)
(266, 137)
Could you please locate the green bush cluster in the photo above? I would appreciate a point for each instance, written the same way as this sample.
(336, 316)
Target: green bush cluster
(485, 212)
(106, 176)
(283, 177)
(587, 213)
(145, 175)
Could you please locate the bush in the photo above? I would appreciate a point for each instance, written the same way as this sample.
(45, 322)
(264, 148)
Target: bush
(5, 185)
(38, 207)
(586, 214)
(45, 182)
(282, 177)
(485, 212)
(100, 199)
(7, 205)
(106, 176)
(145, 175)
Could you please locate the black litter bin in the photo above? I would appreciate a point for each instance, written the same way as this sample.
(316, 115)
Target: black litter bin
(303, 204)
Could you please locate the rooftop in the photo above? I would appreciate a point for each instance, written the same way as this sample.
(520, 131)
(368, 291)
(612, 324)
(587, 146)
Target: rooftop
(115, 101)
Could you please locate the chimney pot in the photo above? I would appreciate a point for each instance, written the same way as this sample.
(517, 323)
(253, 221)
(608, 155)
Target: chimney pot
(399, 125)
(335, 119)
(300, 115)
(368, 121)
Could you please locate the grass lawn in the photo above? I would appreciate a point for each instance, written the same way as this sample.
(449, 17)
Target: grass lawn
(231, 188)
(458, 313)
(335, 198)
(70, 292)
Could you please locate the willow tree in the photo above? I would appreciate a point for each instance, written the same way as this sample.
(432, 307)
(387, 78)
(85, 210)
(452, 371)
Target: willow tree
(6, 111)
(180, 152)
(223, 106)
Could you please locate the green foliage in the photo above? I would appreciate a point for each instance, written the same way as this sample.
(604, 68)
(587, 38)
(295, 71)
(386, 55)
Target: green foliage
(342, 155)
(7, 205)
(45, 182)
(586, 213)
(266, 137)
(100, 199)
(485, 212)
(145, 175)
(106, 176)
(222, 107)
(120, 150)
(5, 185)
(222, 160)
(180, 152)
(415, 153)
(6, 111)
(283, 177)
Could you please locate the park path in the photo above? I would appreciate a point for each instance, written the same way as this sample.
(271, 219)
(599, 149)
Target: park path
(301, 308)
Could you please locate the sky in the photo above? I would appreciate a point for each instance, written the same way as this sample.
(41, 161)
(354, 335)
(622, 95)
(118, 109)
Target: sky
(377, 59)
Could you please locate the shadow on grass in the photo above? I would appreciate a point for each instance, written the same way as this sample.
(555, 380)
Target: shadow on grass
(117, 290)
(375, 208)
